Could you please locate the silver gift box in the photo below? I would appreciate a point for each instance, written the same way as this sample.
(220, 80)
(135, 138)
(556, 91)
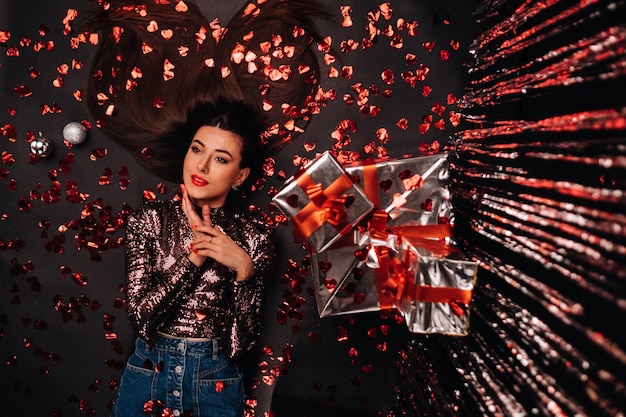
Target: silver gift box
(343, 283)
(388, 184)
(346, 284)
(323, 171)
(452, 271)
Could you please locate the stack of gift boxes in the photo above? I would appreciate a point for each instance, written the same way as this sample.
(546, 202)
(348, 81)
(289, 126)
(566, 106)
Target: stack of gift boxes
(379, 233)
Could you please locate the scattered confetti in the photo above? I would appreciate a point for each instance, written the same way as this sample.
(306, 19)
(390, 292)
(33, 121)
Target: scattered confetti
(539, 197)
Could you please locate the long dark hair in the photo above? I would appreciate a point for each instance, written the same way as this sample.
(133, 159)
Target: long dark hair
(145, 86)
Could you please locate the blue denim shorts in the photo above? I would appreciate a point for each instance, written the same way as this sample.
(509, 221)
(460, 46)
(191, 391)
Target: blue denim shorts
(178, 377)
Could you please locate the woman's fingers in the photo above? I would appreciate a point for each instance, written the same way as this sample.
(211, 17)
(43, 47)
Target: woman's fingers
(188, 208)
(206, 215)
(207, 230)
(218, 246)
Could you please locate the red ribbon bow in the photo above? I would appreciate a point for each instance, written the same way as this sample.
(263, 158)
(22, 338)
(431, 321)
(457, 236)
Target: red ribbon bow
(326, 205)
(332, 210)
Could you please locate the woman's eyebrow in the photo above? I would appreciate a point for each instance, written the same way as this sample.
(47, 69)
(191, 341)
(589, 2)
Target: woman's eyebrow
(199, 142)
(224, 151)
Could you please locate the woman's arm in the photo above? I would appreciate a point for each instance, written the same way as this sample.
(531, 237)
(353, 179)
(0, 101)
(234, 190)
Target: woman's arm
(153, 290)
(248, 296)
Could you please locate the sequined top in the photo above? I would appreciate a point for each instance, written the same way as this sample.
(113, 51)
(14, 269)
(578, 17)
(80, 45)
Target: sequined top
(167, 293)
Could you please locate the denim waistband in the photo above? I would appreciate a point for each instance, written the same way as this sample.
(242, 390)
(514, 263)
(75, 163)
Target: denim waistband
(185, 346)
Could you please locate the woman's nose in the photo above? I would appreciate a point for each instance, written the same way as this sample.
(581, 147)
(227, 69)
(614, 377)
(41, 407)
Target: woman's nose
(203, 165)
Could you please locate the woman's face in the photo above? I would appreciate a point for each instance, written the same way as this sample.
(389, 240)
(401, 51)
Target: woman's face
(211, 166)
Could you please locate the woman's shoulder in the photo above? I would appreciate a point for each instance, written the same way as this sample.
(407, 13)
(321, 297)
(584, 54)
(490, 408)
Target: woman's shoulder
(150, 218)
(257, 222)
(157, 209)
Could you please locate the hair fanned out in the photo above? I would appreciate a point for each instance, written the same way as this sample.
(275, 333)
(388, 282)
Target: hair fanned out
(157, 60)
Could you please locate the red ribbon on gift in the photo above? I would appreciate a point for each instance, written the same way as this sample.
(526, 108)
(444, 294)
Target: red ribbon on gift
(391, 274)
(393, 288)
(369, 178)
(429, 236)
(390, 287)
(428, 294)
(370, 183)
(325, 205)
(432, 238)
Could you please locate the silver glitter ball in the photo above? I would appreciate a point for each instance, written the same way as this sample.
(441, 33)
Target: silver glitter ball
(41, 147)
(74, 133)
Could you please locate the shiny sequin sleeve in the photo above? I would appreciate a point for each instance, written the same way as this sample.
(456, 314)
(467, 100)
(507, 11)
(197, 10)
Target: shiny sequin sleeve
(167, 293)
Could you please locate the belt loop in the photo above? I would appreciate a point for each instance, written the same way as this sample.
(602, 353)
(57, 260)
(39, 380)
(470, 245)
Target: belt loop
(216, 349)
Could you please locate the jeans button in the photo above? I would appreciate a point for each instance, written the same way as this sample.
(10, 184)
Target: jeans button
(176, 393)
(181, 346)
(178, 369)
(176, 413)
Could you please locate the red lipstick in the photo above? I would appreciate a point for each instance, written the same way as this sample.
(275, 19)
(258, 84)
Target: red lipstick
(198, 181)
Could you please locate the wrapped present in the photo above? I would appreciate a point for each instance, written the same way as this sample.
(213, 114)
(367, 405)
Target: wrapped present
(410, 191)
(411, 268)
(438, 281)
(322, 202)
(351, 276)
(413, 191)
(342, 282)
(402, 257)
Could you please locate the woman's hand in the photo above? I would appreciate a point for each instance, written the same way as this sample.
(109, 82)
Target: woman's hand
(194, 221)
(209, 241)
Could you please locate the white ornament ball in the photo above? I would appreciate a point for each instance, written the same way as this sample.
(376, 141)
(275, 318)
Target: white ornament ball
(41, 147)
(74, 133)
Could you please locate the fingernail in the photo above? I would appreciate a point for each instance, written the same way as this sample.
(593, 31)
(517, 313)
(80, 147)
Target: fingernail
(191, 246)
(195, 251)
(194, 227)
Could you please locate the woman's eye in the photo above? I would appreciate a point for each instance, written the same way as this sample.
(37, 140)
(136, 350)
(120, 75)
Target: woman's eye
(195, 149)
(221, 160)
